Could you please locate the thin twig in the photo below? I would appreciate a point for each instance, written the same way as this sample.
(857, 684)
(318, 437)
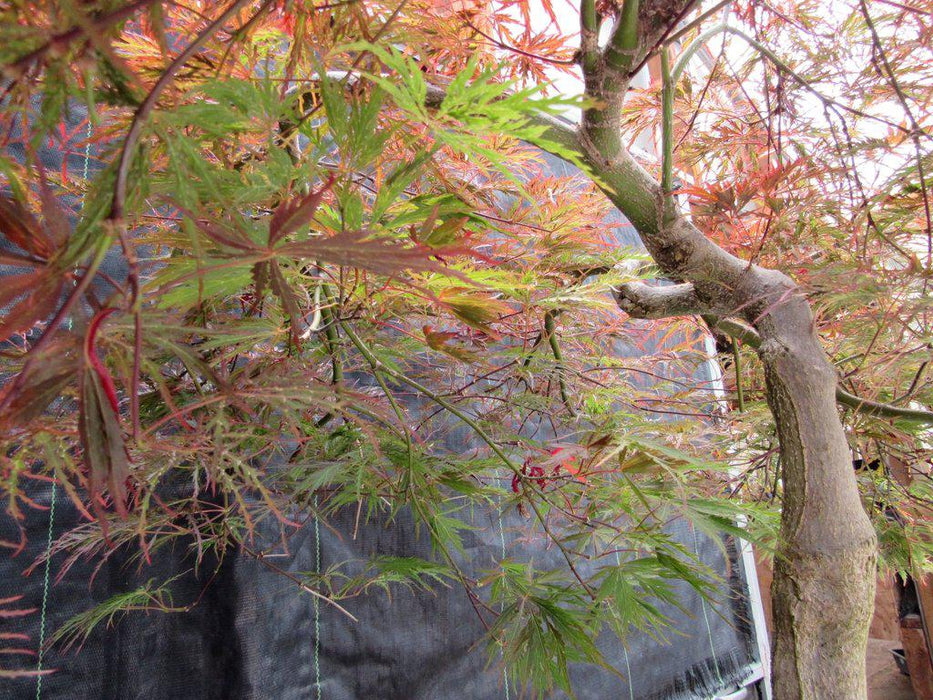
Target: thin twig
(740, 393)
(514, 49)
(664, 37)
(260, 557)
(376, 367)
(480, 433)
(749, 336)
(915, 129)
(696, 22)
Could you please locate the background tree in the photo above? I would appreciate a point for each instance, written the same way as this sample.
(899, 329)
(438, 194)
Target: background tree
(304, 194)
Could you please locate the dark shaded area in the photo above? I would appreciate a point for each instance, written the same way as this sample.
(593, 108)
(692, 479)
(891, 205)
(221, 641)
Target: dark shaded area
(253, 634)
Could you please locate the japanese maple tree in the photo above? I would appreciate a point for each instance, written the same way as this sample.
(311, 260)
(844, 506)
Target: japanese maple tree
(303, 194)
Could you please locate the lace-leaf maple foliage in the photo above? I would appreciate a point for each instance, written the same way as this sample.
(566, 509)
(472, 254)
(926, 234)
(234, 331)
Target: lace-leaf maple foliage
(323, 212)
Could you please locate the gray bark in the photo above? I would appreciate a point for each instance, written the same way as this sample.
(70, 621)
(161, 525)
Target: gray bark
(824, 578)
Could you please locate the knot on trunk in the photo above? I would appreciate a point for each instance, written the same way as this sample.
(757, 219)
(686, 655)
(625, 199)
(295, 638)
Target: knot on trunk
(771, 350)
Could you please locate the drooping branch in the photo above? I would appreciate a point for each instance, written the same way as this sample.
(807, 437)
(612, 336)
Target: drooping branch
(115, 218)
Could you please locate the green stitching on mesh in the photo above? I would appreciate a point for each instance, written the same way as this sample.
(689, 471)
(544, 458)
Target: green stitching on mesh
(45, 593)
(505, 671)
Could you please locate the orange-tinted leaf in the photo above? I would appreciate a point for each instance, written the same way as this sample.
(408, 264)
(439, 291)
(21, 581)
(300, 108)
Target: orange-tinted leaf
(292, 215)
(105, 453)
(56, 223)
(474, 308)
(42, 290)
(441, 341)
(384, 256)
(446, 233)
(22, 229)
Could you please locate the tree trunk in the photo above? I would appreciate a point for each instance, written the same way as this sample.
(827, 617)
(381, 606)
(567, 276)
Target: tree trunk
(824, 574)
(824, 571)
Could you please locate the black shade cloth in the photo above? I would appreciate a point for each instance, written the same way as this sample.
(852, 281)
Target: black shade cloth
(253, 634)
